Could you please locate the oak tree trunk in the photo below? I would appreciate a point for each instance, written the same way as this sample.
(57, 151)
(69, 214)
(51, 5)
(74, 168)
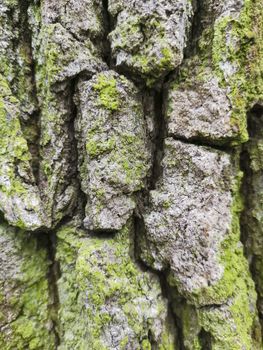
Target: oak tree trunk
(131, 174)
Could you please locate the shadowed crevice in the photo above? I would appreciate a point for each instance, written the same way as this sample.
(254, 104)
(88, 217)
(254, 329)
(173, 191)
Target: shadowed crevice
(53, 276)
(139, 231)
(25, 83)
(204, 17)
(251, 223)
(204, 143)
(47, 241)
(107, 57)
(159, 137)
(81, 197)
(205, 340)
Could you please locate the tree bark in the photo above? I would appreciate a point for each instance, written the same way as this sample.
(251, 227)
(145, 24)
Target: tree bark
(131, 196)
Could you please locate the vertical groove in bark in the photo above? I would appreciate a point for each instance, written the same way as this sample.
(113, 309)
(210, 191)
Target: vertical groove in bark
(160, 133)
(106, 44)
(196, 29)
(53, 276)
(30, 126)
(203, 19)
(166, 290)
(205, 340)
(251, 223)
(81, 202)
(51, 245)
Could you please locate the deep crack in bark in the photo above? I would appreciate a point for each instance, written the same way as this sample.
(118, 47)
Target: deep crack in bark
(160, 130)
(205, 340)
(29, 124)
(81, 195)
(53, 276)
(251, 232)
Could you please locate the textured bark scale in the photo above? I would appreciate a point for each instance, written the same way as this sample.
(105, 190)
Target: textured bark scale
(131, 175)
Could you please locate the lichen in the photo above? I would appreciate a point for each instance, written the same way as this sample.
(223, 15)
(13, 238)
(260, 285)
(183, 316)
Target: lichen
(146, 42)
(108, 93)
(238, 43)
(128, 160)
(230, 256)
(152, 67)
(232, 325)
(15, 153)
(95, 147)
(25, 294)
(229, 50)
(102, 283)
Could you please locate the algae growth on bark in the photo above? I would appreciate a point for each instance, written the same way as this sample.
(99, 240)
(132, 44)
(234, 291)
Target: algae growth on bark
(131, 175)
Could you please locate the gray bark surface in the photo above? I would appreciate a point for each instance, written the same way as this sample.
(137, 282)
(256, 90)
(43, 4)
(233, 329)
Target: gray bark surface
(131, 147)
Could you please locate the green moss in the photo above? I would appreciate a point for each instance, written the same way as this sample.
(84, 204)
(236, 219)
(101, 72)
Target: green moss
(146, 345)
(127, 33)
(28, 300)
(230, 50)
(108, 93)
(124, 342)
(244, 54)
(128, 161)
(190, 326)
(168, 341)
(232, 326)
(51, 64)
(13, 147)
(166, 204)
(98, 277)
(10, 125)
(153, 67)
(167, 58)
(96, 147)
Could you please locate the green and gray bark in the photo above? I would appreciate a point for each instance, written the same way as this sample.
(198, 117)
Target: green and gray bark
(131, 174)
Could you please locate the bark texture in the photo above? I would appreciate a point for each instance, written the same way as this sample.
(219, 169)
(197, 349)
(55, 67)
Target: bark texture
(131, 175)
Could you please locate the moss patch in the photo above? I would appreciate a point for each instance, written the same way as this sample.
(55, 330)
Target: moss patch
(108, 93)
(25, 321)
(101, 283)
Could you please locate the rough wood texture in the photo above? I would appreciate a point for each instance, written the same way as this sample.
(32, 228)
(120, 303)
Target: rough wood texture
(131, 175)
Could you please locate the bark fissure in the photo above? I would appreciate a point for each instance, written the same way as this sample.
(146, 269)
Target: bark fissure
(108, 27)
(160, 134)
(26, 80)
(205, 340)
(81, 195)
(162, 276)
(251, 232)
(203, 143)
(54, 269)
(203, 18)
(168, 293)
(181, 56)
(53, 277)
